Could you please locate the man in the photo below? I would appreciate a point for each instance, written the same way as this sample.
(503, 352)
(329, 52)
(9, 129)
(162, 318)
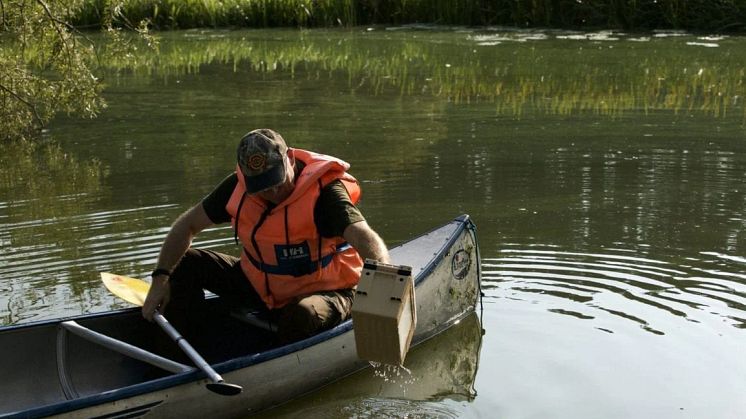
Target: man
(303, 239)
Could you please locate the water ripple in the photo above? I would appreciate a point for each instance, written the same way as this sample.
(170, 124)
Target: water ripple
(49, 266)
(364, 408)
(619, 284)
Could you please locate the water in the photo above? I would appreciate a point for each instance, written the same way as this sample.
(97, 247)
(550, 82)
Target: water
(605, 173)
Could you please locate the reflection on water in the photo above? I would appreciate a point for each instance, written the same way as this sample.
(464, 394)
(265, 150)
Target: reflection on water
(436, 374)
(522, 72)
(43, 193)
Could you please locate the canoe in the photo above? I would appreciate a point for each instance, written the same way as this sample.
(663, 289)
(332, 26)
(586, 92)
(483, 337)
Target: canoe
(76, 368)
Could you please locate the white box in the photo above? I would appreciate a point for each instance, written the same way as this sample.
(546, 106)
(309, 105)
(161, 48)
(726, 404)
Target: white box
(383, 313)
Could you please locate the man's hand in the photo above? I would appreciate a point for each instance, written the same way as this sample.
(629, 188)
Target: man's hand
(158, 297)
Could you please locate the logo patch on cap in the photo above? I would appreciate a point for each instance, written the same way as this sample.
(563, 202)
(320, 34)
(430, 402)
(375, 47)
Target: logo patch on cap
(257, 162)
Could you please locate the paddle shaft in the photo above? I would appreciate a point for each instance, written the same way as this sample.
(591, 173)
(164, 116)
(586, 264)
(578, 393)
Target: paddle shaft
(187, 348)
(135, 291)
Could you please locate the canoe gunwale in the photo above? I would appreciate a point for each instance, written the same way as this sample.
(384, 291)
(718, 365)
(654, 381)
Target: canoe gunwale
(243, 361)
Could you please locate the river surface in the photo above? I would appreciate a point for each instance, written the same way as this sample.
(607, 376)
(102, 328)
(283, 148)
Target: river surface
(606, 173)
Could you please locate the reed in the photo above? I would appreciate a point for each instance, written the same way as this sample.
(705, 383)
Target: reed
(702, 15)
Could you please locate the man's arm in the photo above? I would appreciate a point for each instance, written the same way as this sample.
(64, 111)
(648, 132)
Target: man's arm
(177, 241)
(366, 241)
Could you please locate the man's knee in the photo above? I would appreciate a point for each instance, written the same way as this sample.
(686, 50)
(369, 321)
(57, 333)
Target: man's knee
(302, 316)
(185, 284)
(188, 263)
(304, 319)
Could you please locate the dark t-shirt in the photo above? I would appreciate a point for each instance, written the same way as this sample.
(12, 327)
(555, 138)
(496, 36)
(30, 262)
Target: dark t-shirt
(334, 210)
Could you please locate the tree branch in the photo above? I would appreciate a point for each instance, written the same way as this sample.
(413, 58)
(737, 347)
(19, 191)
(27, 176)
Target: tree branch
(30, 105)
(55, 23)
(59, 21)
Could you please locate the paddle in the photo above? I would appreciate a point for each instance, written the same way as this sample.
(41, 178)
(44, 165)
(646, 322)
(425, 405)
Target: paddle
(134, 291)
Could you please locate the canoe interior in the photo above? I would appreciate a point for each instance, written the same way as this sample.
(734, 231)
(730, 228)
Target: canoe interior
(39, 357)
(50, 366)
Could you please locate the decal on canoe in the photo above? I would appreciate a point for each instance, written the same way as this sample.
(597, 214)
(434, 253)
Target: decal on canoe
(460, 264)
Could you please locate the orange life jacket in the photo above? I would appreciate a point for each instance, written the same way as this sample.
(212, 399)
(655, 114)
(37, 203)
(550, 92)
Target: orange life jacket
(284, 255)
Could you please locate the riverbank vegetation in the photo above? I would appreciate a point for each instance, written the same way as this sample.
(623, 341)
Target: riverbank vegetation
(693, 15)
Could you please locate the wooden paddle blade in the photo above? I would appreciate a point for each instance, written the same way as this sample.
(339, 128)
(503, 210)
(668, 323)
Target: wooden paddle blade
(132, 290)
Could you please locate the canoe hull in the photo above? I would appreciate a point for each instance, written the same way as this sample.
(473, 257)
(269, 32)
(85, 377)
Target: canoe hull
(445, 263)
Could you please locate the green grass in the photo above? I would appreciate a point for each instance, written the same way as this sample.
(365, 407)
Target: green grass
(172, 14)
(697, 15)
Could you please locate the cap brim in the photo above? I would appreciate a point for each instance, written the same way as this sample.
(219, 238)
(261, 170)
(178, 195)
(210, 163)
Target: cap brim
(266, 180)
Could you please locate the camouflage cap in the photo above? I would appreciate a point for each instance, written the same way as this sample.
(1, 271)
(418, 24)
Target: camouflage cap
(261, 157)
